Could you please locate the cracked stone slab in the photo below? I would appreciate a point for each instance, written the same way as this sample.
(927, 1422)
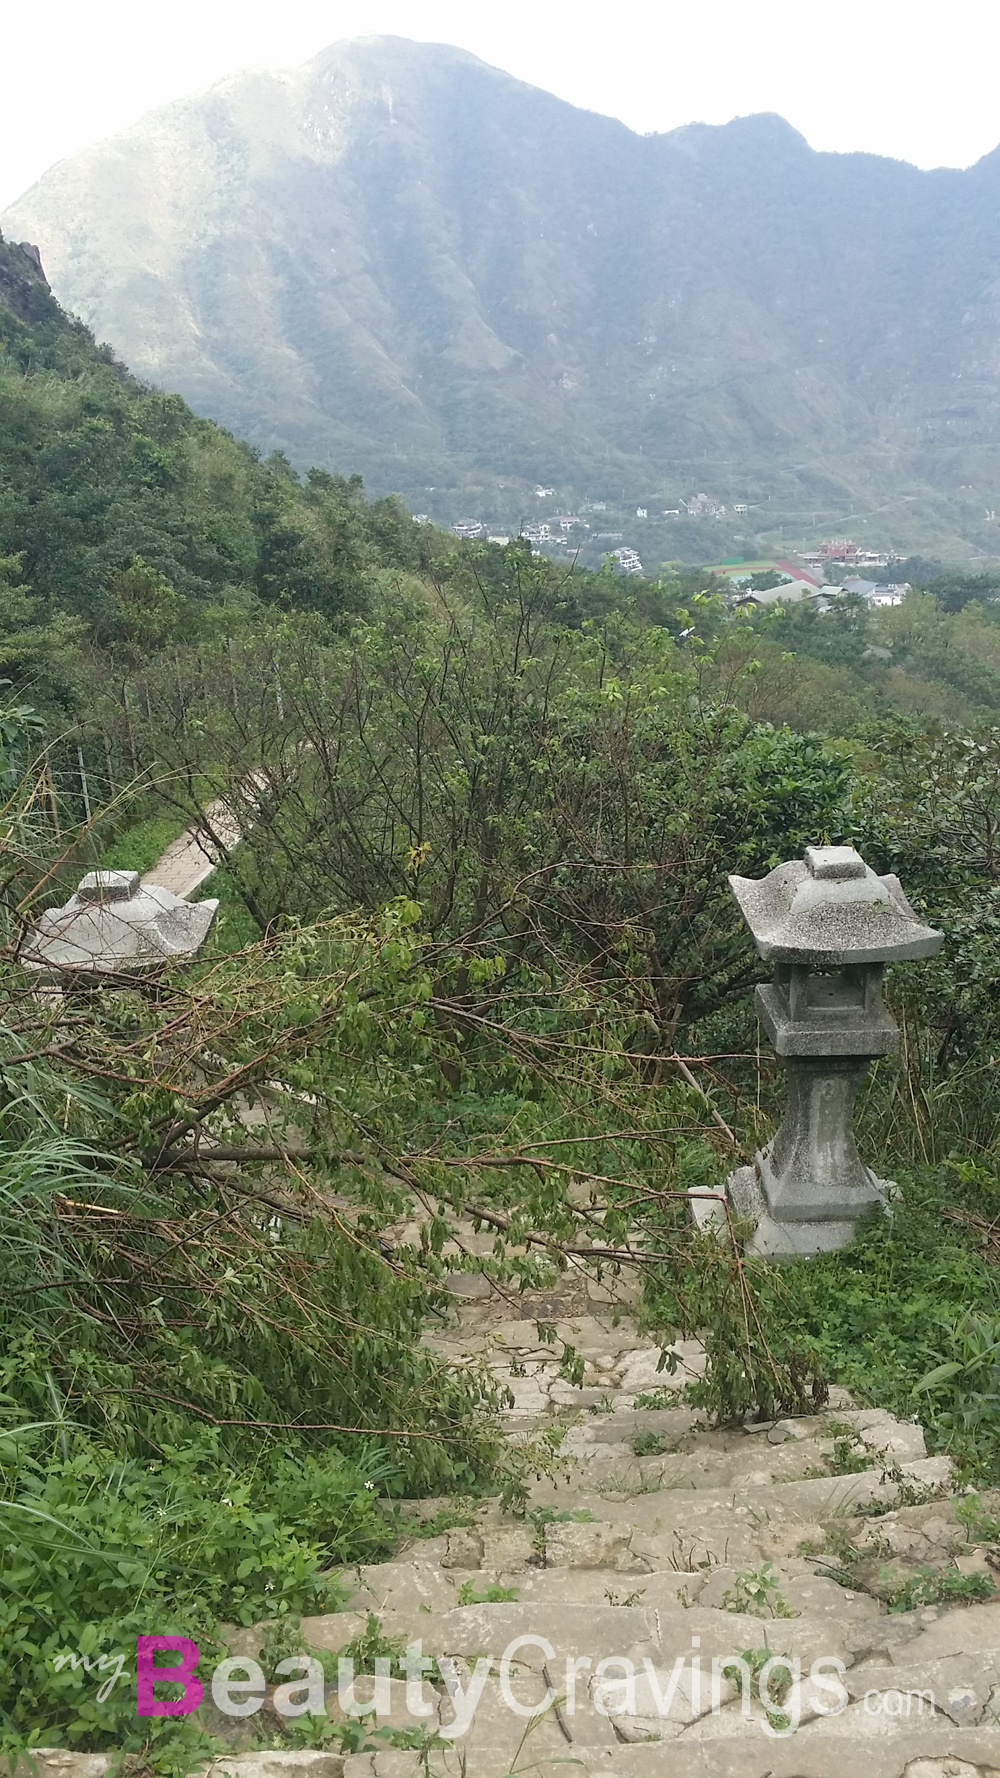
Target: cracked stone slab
(959, 1687)
(403, 1585)
(813, 1500)
(805, 1593)
(588, 1546)
(969, 1630)
(496, 1728)
(305, 1762)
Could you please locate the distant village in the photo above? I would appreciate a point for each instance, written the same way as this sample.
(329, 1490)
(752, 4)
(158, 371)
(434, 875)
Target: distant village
(815, 575)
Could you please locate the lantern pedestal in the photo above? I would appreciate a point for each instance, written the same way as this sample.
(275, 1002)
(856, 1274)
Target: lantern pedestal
(783, 1240)
(829, 925)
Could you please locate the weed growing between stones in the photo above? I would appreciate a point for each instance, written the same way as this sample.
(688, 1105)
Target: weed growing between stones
(936, 1586)
(780, 1681)
(757, 1592)
(490, 1594)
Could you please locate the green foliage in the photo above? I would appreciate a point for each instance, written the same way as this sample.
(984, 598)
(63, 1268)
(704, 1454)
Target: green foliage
(371, 1644)
(780, 1681)
(857, 670)
(656, 1398)
(758, 1592)
(979, 1524)
(937, 1586)
(142, 843)
(648, 1444)
(95, 1550)
(909, 1316)
(129, 523)
(490, 1594)
(954, 591)
(765, 580)
(850, 1456)
(479, 758)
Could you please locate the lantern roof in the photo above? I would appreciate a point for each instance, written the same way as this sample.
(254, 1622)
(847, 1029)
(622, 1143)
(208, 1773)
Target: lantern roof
(829, 908)
(115, 924)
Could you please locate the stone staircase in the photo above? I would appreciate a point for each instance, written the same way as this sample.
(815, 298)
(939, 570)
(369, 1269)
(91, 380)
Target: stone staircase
(664, 1544)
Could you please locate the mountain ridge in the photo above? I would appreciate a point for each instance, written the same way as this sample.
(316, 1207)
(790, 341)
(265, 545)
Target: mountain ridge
(399, 260)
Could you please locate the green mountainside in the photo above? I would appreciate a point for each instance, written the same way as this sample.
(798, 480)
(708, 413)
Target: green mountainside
(127, 522)
(398, 260)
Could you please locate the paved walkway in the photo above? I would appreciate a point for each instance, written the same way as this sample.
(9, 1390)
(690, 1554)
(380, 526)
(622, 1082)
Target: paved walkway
(191, 858)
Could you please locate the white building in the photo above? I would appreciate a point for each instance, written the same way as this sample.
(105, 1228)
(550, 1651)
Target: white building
(878, 592)
(627, 561)
(468, 528)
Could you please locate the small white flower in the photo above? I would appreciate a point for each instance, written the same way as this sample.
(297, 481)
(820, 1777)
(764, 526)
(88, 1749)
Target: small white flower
(370, 1486)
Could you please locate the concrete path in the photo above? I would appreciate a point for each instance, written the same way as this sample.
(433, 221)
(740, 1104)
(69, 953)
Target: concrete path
(191, 858)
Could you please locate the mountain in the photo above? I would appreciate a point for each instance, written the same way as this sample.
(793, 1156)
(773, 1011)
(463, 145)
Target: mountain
(400, 261)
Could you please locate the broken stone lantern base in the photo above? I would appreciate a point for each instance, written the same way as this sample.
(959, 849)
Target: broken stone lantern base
(829, 925)
(115, 925)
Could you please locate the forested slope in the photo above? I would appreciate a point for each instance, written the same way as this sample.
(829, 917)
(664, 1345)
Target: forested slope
(127, 521)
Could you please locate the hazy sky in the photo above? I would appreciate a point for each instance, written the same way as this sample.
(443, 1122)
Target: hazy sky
(896, 77)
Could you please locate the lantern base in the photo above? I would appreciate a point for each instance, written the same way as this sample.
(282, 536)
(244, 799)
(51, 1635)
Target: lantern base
(783, 1240)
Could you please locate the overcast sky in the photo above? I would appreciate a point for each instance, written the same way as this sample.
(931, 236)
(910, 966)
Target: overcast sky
(898, 77)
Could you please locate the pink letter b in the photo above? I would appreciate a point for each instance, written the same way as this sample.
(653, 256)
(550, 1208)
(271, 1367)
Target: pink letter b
(183, 1674)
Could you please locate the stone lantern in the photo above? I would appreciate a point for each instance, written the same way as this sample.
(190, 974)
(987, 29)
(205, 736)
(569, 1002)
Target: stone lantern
(115, 925)
(829, 925)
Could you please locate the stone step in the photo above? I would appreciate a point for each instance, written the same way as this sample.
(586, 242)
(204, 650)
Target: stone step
(616, 1468)
(667, 1508)
(933, 1749)
(393, 1586)
(849, 1698)
(604, 1630)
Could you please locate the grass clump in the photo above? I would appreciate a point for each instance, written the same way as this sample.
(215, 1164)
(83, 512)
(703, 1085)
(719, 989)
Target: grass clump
(938, 1586)
(140, 845)
(95, 1550)
(491, 1594)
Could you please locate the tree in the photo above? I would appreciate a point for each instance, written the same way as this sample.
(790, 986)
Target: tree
(560, 796)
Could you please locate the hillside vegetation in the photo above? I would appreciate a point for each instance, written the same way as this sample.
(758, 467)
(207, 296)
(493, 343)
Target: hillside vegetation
(476, 959)
(399, 261)
(126, 521)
